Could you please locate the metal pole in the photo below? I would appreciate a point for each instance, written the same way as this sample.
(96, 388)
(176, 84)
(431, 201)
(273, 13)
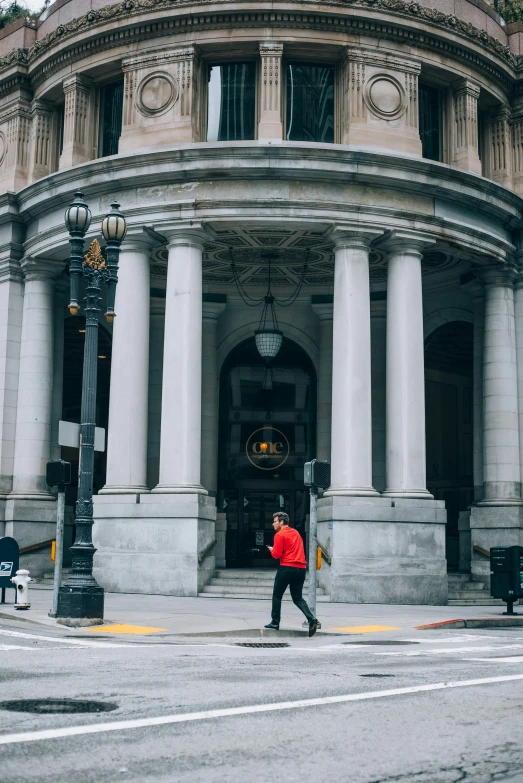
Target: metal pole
(81, 596)
(60, 521)
(313, 545)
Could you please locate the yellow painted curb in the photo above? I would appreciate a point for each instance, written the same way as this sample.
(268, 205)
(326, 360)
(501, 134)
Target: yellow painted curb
(367, 628)
(135, 630)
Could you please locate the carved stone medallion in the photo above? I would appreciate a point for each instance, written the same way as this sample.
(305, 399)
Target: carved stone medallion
(156, 94)
(385, 97)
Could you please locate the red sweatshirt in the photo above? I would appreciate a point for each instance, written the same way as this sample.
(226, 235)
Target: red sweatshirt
(288, 548)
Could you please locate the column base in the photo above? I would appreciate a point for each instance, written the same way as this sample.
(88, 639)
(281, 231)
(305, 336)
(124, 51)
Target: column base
(153, 544)
(31, 520)
(384, 550)
(355, 492)
(115, 489)
(490, 526)
(180, 489)
(415, 494)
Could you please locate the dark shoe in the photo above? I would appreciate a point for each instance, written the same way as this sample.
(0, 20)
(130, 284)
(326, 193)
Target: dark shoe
(313, 626)
(273, 626)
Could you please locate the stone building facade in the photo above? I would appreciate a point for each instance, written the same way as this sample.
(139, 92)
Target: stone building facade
(370, 154)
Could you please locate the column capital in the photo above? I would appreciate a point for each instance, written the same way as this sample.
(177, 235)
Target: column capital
(76, 81)
(271, 48)
(324, 310)
(498, 275)
(465, 86)
(40, 268)
(189, 233)
(211, 311)
(344, 235)
(137, 241)
(397, 241)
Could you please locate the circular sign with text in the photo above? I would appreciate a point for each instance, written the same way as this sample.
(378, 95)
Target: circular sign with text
(267, 448)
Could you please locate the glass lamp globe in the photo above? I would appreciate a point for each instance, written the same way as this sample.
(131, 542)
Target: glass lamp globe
(268, 342)
(114, 227)
(78, 215)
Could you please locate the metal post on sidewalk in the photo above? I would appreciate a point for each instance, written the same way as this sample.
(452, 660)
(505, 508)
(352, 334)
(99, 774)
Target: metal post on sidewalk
(58, 474)
(313, 545)
(59, 556)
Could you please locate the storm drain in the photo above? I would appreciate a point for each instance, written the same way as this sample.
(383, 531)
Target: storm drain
(41, 706)
(377, 675)
(262, 644)
(388, 642)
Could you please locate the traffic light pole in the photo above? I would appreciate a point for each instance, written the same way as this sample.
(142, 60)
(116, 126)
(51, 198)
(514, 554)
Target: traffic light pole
(313, 546)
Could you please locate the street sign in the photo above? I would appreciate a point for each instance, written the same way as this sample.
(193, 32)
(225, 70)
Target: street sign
(69, 435)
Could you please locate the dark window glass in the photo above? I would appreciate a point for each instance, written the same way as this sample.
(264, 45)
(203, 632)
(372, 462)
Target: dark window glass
(231, 110)
(310, 103)
(111, 105)
(430, 122)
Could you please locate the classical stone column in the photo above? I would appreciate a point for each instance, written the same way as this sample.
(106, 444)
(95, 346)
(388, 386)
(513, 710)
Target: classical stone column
(210, 392)
(324, 311)
(518, 313)
(180, 441)
(128, 411)
(405, 408)
(14, 146)
(465, 154)
(501, 458)
(11, 308)
(477, 392)
(35, 382)
(351, 440)
(77, 121)
(270, 124)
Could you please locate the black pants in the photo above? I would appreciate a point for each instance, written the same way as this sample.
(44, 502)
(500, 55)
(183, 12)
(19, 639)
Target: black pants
(286, 576)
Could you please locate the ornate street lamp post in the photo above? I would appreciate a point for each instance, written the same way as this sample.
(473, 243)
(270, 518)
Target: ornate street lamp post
(81, 598)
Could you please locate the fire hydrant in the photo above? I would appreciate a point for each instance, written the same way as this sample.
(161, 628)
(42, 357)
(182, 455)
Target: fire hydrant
(21, 582)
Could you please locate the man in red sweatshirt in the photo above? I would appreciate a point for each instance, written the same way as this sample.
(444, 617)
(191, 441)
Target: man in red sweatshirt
(288, 549)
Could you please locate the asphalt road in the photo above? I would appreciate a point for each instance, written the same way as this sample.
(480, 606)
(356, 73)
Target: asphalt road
(258, 727)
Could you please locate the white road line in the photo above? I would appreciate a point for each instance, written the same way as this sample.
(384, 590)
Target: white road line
(512, 659)
(453, 650)
(140, 723)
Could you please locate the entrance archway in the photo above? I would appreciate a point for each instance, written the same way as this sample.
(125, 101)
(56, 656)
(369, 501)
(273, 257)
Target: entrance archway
(449, 425)
(267, 433)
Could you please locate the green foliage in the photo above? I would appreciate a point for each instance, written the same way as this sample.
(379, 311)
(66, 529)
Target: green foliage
(11, 10)
(511, 11)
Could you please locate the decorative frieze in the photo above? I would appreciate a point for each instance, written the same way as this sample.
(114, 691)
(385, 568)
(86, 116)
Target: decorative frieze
(161, 98)
(78, 121)
(382, 97)
(271, 124)
(465, 153)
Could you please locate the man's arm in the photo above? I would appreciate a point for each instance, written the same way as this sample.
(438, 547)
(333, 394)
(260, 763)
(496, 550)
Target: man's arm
(277, 549)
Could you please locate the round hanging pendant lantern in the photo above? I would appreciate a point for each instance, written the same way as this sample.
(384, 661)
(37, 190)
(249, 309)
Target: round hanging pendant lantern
(268, 342)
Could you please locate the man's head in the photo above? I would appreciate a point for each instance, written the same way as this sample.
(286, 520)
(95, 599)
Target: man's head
(279, 519)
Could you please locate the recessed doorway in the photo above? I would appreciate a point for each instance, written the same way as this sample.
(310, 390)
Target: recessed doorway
(267, 433)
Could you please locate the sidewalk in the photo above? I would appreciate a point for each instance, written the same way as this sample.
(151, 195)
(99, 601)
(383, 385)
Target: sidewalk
(174, 615)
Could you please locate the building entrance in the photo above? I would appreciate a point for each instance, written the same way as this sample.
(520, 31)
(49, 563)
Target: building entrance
(267, 433)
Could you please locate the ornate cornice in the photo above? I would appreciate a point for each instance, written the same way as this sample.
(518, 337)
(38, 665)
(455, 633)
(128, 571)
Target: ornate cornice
(192, 22)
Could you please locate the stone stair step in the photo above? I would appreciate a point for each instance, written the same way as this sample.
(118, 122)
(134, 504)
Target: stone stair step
(475, 602)
(256, 597)
(244, 589)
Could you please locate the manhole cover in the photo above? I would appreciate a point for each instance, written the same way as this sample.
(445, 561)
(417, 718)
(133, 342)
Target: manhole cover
(41, 706)
(388, 642)
(262, 644)
(377, 675)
